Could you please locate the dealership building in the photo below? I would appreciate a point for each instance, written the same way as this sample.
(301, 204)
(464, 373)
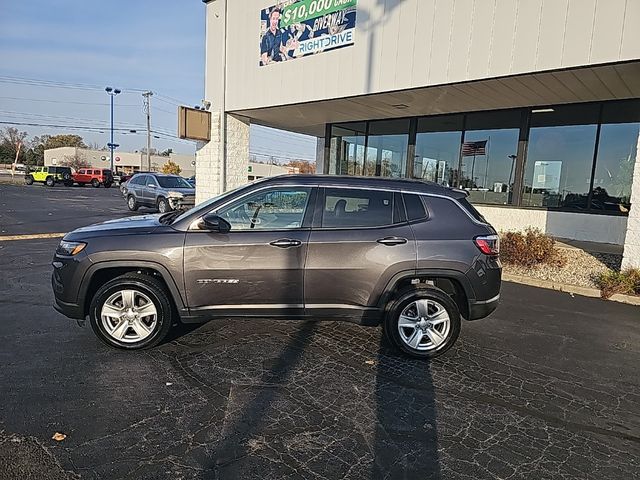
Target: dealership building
(533, 106)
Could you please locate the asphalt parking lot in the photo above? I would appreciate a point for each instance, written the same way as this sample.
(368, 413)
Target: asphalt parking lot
(547, 387)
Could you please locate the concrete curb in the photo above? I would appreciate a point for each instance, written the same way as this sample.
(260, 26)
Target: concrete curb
(563, 287)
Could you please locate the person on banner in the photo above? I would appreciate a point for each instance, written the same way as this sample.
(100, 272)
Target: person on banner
(272, 44)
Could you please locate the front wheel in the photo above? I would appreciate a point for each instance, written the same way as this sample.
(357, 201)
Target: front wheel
(95, 183)
(423, 323)
(49, 182)
(107, 185)
(163, 205)
(131, 312)
(28, 180)
(131, 203)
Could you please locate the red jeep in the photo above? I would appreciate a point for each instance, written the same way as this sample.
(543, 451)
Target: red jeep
(94, 176)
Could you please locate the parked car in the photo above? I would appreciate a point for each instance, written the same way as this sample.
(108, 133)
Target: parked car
(94, 176)
(161, 191)
(192, 181)
(124, 178)
(414, 257)
(50, 176)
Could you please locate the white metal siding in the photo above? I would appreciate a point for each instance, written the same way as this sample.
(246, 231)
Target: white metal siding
(402, 44)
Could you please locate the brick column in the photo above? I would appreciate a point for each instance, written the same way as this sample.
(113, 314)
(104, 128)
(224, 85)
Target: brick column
(631, 257)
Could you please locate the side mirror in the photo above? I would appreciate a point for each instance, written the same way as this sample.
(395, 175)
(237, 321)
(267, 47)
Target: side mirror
(214, 223)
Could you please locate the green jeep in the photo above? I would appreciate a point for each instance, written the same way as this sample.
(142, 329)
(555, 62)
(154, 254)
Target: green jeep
(49, 176)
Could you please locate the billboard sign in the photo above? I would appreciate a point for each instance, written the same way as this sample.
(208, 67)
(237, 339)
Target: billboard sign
(297, 28)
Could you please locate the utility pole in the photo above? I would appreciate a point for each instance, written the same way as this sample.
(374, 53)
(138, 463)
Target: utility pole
(147, 109)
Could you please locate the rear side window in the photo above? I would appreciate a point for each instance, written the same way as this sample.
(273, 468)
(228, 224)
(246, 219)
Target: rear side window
(471, 209)
(348, 208)
(415, 207)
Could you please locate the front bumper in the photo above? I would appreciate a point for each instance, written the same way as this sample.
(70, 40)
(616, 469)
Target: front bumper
(482, 309)
(178, 203)
(70, 310)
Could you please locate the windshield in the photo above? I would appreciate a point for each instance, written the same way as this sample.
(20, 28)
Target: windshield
(173, 182)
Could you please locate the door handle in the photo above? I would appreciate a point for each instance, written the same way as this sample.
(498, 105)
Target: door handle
(286, 243)
(391, 241)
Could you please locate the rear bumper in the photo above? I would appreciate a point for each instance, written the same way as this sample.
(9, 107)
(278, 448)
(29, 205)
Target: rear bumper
(482, 309)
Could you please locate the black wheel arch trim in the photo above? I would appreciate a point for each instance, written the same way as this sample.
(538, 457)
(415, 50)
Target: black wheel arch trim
(176, 294)
(460, 277)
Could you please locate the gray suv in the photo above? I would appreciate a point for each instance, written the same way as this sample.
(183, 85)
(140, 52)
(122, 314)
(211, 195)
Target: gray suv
(411, 256)
(160, 191)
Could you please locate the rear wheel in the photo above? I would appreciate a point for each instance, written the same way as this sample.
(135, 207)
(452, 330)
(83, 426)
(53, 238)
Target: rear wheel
(95, 183)
(68, 183)
(49, 182)
(423, 323)
(163, 205)
(28, 180)
(131, 203)
(131, 312)
(107, 185)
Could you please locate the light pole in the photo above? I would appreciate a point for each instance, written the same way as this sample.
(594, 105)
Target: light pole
(112, 92)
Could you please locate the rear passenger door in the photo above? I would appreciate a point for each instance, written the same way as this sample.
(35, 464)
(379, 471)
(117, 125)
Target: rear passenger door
(359, 241)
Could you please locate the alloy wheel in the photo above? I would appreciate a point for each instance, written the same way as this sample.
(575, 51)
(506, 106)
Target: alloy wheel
(424, 325)
(129, 316)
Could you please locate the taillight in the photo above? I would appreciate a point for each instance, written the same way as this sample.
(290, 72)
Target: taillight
(488, 244)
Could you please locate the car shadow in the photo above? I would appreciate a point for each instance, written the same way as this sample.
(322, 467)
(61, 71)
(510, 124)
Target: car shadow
(406, 438)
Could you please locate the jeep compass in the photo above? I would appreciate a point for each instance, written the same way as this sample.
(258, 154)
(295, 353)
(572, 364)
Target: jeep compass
(410, 256)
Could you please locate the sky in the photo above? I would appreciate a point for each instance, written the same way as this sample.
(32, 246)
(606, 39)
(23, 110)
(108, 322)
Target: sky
(56, 58)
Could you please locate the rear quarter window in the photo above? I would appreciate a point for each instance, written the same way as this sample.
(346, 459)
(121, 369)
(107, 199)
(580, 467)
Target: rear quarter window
(415, 208)
(472, 210)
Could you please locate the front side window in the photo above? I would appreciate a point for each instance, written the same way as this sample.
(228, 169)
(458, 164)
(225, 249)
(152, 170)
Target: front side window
(348, 208)
(275, 209)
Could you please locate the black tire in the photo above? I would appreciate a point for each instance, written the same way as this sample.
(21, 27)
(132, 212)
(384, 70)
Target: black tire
(28, 180)
(68, 183)
(49, 182)
(66, 177)
(163, 205)
(148, 286)
(95, 183)
(132, 204)
(404, 300)
(107, 185)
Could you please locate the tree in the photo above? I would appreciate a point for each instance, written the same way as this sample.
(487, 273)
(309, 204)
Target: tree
(56, 141)
(75, 161)
(14, 141)
(171, 168)
(302, 165)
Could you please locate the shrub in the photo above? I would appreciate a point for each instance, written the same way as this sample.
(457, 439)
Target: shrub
(626, 282)
(529, 248)
(171, 168)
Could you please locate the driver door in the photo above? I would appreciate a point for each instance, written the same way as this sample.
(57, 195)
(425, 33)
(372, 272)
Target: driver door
(257, 268)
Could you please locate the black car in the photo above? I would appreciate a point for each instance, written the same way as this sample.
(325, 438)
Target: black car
(411, 256)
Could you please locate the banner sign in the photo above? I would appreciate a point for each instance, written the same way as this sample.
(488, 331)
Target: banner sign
(295, 28)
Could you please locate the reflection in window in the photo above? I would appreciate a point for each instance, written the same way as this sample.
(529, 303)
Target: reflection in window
(558, 169)
(347, 149)
(278, 209)
(617, 153)
(438, 149)
(357, 208)
(387, 148)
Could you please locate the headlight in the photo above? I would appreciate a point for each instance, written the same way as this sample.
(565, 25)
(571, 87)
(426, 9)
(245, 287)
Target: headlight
(69, 249)
(175, 195)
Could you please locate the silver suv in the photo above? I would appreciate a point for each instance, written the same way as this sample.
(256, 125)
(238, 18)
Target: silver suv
(161, 191)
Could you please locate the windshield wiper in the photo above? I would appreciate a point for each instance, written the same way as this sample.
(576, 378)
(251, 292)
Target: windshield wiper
(169, 217)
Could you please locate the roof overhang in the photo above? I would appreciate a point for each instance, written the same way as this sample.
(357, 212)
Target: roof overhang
(584, 84)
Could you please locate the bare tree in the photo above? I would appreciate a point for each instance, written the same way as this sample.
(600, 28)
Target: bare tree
(75, 161)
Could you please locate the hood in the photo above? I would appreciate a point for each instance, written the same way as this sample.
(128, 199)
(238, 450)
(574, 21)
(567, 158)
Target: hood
(121, 226)
(184, 191)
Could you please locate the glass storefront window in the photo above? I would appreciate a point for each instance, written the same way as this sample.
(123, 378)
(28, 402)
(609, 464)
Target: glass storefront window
(617, 153)
(438, 149)
(560, 157)
(489, 177)
(387, 148)
(347, 149)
